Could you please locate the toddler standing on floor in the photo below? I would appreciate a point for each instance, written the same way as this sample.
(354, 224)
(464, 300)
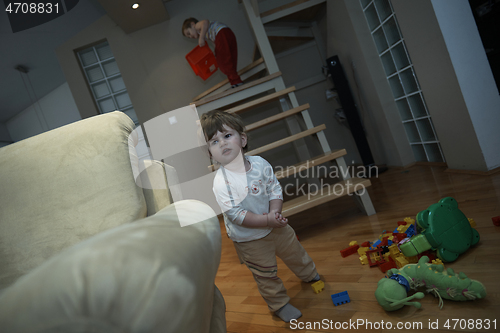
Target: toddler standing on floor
(226, 48)
(251, 199)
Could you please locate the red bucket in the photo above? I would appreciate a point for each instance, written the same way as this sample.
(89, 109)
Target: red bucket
(202, 61)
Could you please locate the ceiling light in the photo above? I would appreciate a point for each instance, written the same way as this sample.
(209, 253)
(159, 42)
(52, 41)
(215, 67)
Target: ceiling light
(135, 6)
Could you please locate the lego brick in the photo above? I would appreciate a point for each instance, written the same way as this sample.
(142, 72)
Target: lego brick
(411, 231)
(348, 251)
(374, 257)
(363, 259)
(384, 242)
(398, 237)
(496, 220)
(387, 265)
(438, 262)
(318, 286)
(362, 250)
(409, 220)
(429, 254)
(401, 261)
(341, 298)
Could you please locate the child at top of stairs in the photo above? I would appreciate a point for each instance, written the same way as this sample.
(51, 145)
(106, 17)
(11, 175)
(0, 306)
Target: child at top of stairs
(226, 48)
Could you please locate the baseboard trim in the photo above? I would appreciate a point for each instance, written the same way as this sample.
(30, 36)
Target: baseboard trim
(474, 172)
(432, 164)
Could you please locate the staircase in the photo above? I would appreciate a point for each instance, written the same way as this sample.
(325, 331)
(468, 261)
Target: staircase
(264, 84)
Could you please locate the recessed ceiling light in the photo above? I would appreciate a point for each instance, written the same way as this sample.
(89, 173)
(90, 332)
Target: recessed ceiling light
(135, 6)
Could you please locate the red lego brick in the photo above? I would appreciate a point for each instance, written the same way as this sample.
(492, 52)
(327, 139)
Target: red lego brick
(385, 242)
(429, 254)
(372, 263)
(398, 237)
(387, 265)
(348, 251)
(402, 223)
(366, 244)
(496, 220)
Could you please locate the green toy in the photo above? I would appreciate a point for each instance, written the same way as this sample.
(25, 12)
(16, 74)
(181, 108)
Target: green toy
(392, 290)
(444, 228)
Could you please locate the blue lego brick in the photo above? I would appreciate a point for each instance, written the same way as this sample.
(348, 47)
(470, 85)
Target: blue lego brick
(376, 243)
(410, 232)
(341, 298)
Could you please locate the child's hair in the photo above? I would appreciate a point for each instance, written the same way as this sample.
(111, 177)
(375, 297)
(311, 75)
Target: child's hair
(214, 121)
(187, 24)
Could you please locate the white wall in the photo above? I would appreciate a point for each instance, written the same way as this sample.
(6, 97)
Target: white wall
(473, 73)
(439, 78)
(56, 109)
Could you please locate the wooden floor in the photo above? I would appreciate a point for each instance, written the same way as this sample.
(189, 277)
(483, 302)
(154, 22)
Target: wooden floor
(396, 194)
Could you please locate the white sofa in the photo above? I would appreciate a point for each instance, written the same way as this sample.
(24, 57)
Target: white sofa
(83, 248)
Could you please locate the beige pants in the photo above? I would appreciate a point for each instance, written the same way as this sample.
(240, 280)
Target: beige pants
(260, 257)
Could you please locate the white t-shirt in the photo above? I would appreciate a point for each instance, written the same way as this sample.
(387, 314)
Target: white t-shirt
(237, 194)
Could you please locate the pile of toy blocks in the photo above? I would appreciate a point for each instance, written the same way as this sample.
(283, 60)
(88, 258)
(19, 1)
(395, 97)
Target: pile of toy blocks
(384, 251)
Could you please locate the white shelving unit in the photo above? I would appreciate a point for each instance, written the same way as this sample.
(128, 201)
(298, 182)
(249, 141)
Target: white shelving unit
(402, 80)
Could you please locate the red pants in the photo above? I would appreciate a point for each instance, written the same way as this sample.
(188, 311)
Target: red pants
(226, 53)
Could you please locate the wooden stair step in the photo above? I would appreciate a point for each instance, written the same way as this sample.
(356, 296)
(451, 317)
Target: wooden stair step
(275, 118)
(260, 101)
(317, 160)
(325, 194)
(286, 140)
(226, 81)
(236, 90)
(289, 9)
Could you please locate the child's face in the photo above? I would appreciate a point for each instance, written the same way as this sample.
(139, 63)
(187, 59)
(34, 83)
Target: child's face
(191, 32)
(226, 146)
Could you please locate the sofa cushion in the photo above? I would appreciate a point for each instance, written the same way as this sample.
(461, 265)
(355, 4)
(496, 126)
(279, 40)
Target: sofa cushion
(146, 276)
(63, 186)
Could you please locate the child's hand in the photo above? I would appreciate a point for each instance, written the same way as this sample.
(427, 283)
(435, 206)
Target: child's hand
(276, 220)
(280, 217)
(201, 41)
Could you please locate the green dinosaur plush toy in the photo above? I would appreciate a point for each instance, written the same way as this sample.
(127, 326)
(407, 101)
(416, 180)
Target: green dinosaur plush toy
(445, 229)
(392, 290)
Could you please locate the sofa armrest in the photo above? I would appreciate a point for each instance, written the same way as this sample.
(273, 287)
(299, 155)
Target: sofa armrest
(218, 321)
(153, 181)
(146, 276)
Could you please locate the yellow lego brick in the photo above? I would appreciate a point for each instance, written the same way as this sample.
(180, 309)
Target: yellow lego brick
(386, 256)
(353, 243)
(362, 250)
(409, 220)
(393, 249)
(401, 261)
(412, 260)
(402, 228)
(472, 222)
(438, 262)
(363, 259)
(318, 286)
